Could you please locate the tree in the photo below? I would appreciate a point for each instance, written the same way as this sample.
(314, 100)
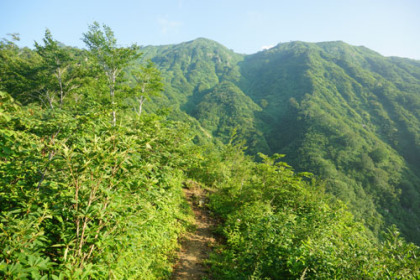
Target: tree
(148, 83)
(111, 58)
(57, 63)
(19, 70)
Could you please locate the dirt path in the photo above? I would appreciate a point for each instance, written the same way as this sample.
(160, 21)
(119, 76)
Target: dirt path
(196, 246)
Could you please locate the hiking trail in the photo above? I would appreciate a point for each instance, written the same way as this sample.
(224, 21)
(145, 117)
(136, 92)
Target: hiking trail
(197, 245)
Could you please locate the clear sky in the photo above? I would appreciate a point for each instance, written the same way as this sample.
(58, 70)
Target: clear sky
(390, 27)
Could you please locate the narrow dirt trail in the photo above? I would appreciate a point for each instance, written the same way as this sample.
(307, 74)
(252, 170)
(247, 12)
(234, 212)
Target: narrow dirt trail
(196, 246)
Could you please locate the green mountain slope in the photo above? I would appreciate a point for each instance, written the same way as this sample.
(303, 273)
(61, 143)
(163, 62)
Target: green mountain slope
(224, 109)
(200, 78)
(191, 67)
(339, 115)
(345, 113)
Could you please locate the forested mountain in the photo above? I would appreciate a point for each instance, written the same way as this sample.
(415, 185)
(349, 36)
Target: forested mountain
(96, 146)
(345, 113)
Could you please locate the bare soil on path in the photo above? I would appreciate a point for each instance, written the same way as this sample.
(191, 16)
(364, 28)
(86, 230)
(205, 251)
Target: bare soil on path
(197, 245)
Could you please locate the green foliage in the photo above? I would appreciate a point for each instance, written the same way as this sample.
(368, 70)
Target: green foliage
(148, 82)
(111, 58)
(80, 198)
(74, 204)
(19, 71)
(60, 72)
(279, 224)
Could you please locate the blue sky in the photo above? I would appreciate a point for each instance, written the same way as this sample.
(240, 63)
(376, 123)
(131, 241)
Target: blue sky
(390, 27)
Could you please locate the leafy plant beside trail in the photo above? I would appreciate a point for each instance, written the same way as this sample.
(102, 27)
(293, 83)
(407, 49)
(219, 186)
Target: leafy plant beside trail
(90, 201)
(279, 224)
(82, 197)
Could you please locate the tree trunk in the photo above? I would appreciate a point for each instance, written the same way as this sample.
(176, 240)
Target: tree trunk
(112, 95)
(60, 82)
(141, 101)
(114, 118)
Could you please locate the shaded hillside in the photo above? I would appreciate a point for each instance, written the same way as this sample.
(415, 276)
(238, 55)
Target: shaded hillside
(345, 113)
(224, 109)
(340, 113)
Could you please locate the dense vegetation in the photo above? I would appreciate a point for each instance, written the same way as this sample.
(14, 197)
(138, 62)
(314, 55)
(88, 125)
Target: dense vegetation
(93, 160)
(83, 197)
(344, 113)
(279, 224)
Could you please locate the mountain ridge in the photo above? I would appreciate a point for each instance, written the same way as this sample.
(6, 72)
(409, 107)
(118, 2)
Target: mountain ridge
(204, 40)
